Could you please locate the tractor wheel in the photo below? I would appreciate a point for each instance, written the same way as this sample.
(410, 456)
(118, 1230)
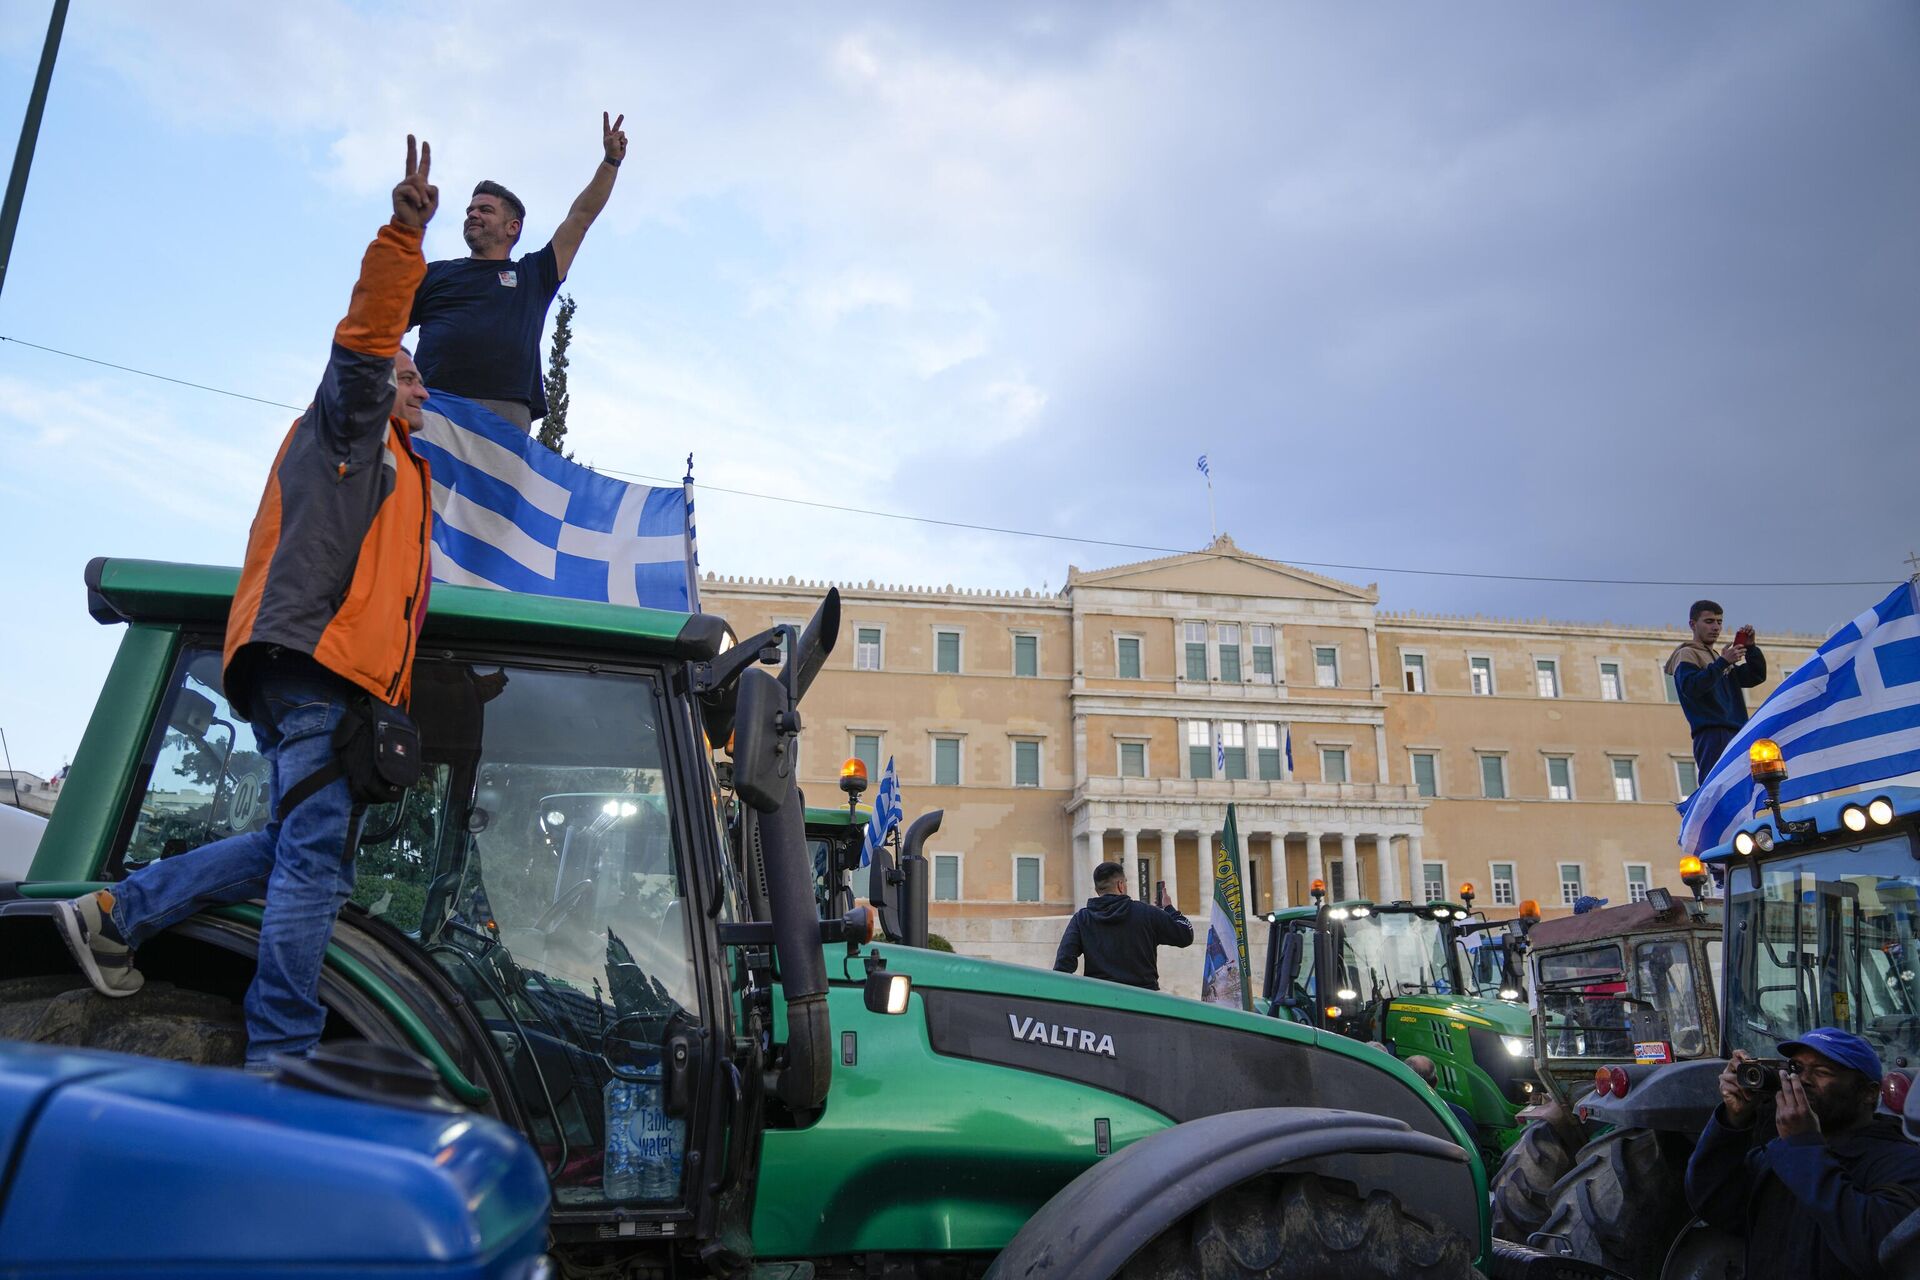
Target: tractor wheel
(1621, 1205)
(162, 1021)
(1302, 1227)
(1523, 1187)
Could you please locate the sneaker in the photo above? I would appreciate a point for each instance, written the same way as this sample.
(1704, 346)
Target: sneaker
(107, 962)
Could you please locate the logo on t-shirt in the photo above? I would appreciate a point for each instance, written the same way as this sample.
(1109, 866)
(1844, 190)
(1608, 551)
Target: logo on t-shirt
(511, 279)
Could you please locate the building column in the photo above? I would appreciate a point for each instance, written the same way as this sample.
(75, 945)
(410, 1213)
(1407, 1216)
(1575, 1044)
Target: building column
(1169, 867)
(1316, 870)
(1277, 870)
(1389, 871)
(1414, 871)
(1084, 843)
(1203, 849)
(1130, 854)
(1350, 859)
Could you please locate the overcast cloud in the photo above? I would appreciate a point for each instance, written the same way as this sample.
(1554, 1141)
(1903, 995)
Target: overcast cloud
(1586, 290)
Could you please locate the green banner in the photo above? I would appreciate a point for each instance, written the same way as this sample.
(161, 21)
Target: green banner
(1226, 979)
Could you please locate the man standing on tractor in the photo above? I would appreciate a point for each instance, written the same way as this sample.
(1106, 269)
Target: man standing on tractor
(1709, 686)
(1120, 937)
(326, 618)
(1816, 1202)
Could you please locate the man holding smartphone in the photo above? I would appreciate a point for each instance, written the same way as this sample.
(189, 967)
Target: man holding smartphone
(1119, 937)
(1711, 687)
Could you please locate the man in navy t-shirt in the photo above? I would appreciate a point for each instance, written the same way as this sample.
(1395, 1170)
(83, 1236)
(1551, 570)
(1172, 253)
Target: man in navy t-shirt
(480, 317)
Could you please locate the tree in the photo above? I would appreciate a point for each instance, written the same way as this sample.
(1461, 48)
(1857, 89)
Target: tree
(553, 428)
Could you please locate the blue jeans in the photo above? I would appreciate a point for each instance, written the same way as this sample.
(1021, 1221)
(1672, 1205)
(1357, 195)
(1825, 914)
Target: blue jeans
(302, 866)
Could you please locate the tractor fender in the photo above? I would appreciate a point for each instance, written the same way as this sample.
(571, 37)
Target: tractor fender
(1093, 1225)
(1675, 1098)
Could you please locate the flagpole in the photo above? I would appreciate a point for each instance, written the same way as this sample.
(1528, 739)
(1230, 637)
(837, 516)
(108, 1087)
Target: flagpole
(1213, 521)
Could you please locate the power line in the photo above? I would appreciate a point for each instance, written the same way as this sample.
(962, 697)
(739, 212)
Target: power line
(1032, 533)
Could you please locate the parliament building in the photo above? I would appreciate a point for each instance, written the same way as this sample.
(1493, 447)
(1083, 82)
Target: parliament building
(1392, 755)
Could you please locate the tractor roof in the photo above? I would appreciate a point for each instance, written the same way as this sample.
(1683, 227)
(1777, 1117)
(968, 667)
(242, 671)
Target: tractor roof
(1286, 914)
(1826, 817)
(818, 817)
(1607, 922)
(154, 591)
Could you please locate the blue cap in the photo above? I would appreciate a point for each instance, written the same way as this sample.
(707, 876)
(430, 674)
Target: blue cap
(1843, 1047)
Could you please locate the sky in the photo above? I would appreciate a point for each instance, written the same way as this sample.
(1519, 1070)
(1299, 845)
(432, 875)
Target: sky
(1624, 291)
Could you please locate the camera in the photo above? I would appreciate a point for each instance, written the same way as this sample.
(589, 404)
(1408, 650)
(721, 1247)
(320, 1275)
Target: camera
(1758, 1077)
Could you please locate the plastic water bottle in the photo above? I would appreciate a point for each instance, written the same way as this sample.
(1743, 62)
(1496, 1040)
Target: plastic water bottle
(658, 1142)
(618, 1180)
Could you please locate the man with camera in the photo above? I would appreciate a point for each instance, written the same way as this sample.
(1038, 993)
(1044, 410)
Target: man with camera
(1815, 1200)
(1710, 687)
(1119, 937)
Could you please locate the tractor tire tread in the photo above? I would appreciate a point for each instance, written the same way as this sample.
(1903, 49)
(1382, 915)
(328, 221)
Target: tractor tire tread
(1621, 1205)
(1522, 1190)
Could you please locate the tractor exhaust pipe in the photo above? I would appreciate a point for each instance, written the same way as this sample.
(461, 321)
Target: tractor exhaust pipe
(802, 1077)
(915, 878)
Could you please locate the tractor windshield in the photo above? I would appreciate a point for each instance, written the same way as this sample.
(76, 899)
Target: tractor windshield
(1825, 939)
(1393, 953)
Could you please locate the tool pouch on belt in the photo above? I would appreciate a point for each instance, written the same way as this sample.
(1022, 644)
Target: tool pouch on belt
(376, 748)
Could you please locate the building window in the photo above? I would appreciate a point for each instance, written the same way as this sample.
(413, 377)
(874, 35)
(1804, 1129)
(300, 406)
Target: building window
(866, 749)
(1673, 690)
(1426, 773)
(1337, 882)
(1493, 777)
(1026, 763)
(866, 649)
(1686, 776)
(1433, 881)
(1503, 890)
(1333, 764)
(1413, 672)
(1133, 759)
(1546, 677)
(1266, 745)
(1262, 653)
(1480, 676)
(1559, 778)
(1026, 878)
(1638, 875)
(1199, 749)
(1127, 657)
(1570, 889)
(1026, 655)
(1326, 666)
(1227, 636)
(1624, 785)
(1196, 643)
(946, 877)
(1233, 743)
(946, 653)
(1612, 686)
(946, 762)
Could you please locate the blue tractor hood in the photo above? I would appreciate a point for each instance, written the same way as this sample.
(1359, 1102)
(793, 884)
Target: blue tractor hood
(113, 1165)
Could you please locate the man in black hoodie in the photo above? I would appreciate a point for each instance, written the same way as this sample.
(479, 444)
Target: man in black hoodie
(1816, 1201)
(1119, 936)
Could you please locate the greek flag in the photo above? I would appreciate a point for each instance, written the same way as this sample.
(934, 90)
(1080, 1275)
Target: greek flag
(1202, 468)
(886, 814)
(510, 513)
(1287, 738)
(1848, 717)
(1219, 753)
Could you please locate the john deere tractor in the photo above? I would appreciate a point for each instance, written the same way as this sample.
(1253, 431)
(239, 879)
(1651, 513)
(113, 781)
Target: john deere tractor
(600, 931)
(1393, 973)
(1820, 925)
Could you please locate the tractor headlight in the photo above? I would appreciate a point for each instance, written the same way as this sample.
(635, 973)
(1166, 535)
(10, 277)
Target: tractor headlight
(1517, 1046)
(1853, 818)
(1763, 839)
(1881, 811)
(556, 818)
(1509, 993)
(1344, 994)
(1743, 845)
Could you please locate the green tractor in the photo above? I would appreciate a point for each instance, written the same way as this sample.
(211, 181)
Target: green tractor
(1394, 973)
(598, 933)
(1821, 928)
(1612, 988)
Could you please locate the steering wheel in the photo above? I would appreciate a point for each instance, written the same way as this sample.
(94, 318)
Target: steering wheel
(565, 905)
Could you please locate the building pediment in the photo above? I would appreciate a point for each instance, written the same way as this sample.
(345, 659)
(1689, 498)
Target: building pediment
(1223, 569)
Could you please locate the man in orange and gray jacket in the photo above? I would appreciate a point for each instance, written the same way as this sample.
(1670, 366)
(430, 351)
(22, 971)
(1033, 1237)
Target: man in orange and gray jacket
(328, 611)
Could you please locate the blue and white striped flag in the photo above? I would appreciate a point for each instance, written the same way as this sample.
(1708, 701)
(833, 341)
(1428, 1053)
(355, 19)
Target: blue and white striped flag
(1286, 732)
(1848, 717)
(886, 813)
(1202, 468)
(510, 513)
(1219, 753)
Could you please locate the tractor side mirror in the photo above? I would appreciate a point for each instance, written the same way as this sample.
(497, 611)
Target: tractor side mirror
(763, 726)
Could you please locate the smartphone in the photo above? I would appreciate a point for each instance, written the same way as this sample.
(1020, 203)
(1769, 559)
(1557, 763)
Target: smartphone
(1744, 636)
(1159, 893)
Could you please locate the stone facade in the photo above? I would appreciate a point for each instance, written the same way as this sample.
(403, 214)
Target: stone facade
(1391, 755)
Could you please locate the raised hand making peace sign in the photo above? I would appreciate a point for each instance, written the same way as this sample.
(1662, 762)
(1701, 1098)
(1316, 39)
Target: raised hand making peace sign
(613, 139)
(416, 199)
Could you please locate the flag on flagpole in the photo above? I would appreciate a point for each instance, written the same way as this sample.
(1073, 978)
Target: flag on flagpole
(1286, 737)
(886, 814)
(1202, 467)
(1848, 717)
(1219, 754)
(1223, 980)
(510, 513)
